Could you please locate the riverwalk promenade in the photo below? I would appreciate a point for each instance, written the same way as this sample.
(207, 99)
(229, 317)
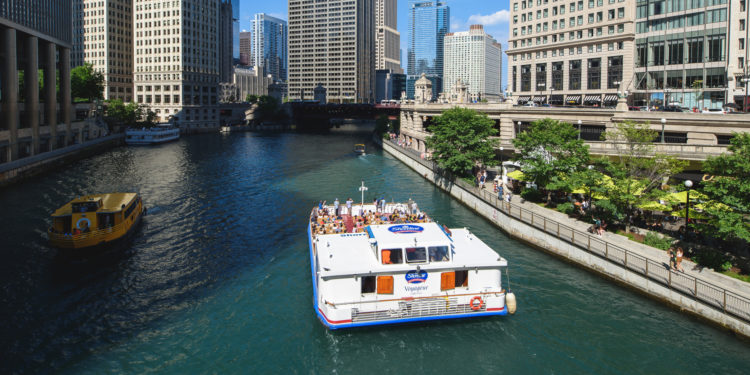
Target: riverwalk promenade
(699, 291)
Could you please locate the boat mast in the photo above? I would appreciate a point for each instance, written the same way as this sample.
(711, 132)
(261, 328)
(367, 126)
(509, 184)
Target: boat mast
(362, 189)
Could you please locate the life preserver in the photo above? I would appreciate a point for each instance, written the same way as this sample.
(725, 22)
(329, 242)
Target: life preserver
(78, 223)
(474, 306)
(706, 177)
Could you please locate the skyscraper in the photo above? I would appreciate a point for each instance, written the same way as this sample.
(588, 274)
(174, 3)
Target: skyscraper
(103, 37)
(269, 45)
(332, 43)
(475, 58)
(176, 70)
(387, 37)
(246, 48)
(429, 21)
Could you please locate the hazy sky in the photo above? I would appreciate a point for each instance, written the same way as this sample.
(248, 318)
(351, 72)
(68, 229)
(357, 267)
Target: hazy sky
(492, 14)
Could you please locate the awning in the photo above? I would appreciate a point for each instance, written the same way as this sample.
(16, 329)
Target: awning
(592, 98)
(574, 99)
(610, 98)
(540, 99)
(524, 98)
(557, 99)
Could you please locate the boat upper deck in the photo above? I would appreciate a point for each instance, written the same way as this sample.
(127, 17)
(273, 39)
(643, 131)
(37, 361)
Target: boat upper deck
(112, 202)
(359, 254)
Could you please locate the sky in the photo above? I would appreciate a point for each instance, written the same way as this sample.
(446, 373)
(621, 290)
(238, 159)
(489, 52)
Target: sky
(493, 14)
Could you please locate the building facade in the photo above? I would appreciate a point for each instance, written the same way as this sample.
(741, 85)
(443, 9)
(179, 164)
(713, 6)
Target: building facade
(35, 35)
(738, 37)
(176, 69)
(682, 55)
(429, 21)
(250, 82)
(103, 37)
(269, 45)
(387, 37)
(571, 53)
(226, 40)
(474, 58)
(331, 42)
(246, 48)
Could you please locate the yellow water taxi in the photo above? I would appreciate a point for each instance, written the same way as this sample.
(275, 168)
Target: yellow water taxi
(94, 220)
(359, 149)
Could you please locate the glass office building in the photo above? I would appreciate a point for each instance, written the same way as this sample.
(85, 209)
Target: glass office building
(269, 45)
(429, 21)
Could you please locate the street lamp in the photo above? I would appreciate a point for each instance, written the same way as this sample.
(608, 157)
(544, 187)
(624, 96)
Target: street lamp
(519, 129)
(663, 121)
(666, 97)
(688, 185)
(501, 156)
(579, 129)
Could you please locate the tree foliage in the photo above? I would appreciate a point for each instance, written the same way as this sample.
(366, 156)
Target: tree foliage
(86, 83)
(550, 152)
(381, 126)
(729, 186)
(130, 114)
(637, 171)
(461, 139)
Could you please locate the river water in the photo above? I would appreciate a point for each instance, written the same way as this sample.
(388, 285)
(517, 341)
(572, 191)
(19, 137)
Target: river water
(217, 278)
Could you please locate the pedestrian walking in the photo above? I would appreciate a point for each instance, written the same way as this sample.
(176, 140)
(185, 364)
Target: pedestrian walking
(349, 203)
(678, 260)
(500, 192)
(672, 259)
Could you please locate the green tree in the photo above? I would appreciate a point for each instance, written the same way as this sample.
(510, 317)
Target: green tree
(86, 83)
(126, 114)
(268, 109)
(550, 151)
(251, 98)
(381, 126)
(461, 138)
(729, 186)
(637, 171)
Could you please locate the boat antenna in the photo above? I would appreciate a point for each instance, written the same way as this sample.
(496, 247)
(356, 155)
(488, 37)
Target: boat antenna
(363, 189)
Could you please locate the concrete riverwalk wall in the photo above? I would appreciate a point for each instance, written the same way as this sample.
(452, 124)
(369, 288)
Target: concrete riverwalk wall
(18, 170)
(726, 305)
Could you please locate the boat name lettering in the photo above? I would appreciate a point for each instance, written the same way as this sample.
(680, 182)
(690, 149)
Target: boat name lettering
(406, 229)
(416, 277)
(421, 288)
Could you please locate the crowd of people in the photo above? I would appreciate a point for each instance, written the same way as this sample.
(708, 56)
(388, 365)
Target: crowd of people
(331, 220)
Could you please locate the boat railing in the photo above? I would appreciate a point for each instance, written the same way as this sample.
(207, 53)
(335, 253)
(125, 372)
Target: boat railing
(501, 291)
(94, 234)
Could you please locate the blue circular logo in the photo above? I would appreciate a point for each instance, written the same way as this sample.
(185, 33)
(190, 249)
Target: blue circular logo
(406, 228)
(416, 277)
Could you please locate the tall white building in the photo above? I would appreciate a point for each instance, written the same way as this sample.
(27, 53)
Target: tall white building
(331, 42)
(103, 37)
(387, 37)
(474, 58)
(177, 59)
(269, 45)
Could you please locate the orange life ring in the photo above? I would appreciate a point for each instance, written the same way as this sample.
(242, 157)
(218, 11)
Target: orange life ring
(476, 307)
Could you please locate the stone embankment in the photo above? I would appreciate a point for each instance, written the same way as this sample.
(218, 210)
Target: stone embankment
(702, 292)
(18, 170)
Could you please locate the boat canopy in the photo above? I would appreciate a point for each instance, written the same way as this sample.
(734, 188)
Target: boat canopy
(101, 203)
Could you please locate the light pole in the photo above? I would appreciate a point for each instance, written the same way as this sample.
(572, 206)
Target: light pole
(501, 156)
(363, 189)
(579, 129)
(666, 97)
(663, 121)
(688, 185)
(744, 102)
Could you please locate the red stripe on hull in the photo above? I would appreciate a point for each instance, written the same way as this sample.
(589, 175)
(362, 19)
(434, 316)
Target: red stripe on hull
(333, 321)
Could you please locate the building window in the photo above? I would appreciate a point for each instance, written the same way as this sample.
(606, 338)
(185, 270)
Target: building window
(676, 49)
(594, 74)
(574, 73)
(525, 77)
(541, 77)
(515, 76)
(557, 76)
(640, 55)
(674, 79)
(657, 53)
(695, 50)
(716, 44)
(614, 72)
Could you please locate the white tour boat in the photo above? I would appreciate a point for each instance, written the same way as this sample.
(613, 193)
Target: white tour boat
(157, 134)
(391, 265)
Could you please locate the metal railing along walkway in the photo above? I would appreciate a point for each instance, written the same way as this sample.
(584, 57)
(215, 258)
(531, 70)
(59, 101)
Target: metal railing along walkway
(725, 300)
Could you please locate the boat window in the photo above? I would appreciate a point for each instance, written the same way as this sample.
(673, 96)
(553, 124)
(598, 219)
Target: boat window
(462, 278)
(416, 254)
(129, 210)
(438, 253)
(385, 284)
(447, 280)
(85, 206)
(368, 284)
(392, 256)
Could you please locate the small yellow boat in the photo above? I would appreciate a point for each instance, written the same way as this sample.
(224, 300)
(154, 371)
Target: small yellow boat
(94, 220)
(359, 149)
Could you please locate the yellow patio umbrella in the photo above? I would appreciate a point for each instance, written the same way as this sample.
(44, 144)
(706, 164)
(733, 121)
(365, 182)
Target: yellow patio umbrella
(605, 181)
(712, 204)
(693, 214)
(517, 175)
(654, 206)
(681, 197)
